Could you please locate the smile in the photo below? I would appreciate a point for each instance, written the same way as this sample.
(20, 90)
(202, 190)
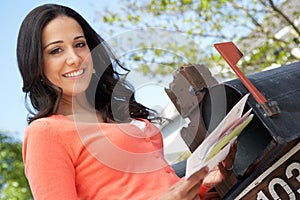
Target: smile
(74, 73)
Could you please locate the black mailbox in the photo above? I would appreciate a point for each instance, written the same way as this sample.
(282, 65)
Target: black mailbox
(266, 138)
(264, 141)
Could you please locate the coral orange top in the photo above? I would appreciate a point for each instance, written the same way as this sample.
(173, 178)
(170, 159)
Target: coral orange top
(70, 160)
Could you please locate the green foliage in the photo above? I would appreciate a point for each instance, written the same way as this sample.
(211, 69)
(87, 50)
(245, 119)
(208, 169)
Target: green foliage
(252, 25)
(13, 183)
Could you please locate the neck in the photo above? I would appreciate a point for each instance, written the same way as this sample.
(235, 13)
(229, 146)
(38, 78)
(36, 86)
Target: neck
(78, 108)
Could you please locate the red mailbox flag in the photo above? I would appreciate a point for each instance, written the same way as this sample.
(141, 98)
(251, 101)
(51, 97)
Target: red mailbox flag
(232, 55)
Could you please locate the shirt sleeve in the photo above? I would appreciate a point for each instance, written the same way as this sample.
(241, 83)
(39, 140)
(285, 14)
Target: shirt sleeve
(48, 165)
(202, 191)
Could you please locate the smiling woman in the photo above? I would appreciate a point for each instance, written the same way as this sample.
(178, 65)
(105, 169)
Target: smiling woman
(66, 56)
(44, 32)
(88, 138)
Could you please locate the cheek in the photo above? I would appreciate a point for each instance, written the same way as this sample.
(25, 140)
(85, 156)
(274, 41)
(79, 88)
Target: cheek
(87, 58)
(52, 69)
(88, 64)
(48, 69)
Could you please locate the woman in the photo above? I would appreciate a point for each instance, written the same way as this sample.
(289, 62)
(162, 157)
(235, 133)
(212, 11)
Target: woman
(87, 137)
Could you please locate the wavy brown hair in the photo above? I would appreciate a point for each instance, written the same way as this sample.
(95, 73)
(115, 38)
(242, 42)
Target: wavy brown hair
(108, 92)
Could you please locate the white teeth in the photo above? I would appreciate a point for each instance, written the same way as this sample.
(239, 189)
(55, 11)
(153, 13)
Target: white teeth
(74, 74)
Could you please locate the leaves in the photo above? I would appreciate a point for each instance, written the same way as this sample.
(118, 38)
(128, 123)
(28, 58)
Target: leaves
(13, 183)
(253, 25)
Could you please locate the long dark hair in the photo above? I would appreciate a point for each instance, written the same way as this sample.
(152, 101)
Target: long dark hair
(108, 91)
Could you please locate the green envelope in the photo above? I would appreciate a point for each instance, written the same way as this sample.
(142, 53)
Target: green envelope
(226, 139)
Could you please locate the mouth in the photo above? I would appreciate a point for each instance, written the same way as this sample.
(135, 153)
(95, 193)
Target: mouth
(74, 73)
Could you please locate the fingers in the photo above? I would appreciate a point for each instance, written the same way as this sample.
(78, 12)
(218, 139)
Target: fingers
(178, 192)
(186, 188)
(196, 198)
(194, 182)
(229, 160)
(196, 178)
(193, 193)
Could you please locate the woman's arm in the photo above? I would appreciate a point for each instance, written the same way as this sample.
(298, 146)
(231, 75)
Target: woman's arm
(48, 166)
(189, 189)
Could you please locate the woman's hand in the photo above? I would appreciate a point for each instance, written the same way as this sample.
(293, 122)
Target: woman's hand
(224, 169)
(186, 188)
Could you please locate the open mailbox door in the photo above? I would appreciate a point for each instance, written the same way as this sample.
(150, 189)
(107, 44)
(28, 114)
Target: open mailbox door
(267, 163)
(266, 139)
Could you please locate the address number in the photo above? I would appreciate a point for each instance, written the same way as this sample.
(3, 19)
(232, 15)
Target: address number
(293, 167)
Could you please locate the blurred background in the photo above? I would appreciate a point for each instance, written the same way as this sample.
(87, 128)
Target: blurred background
(152, 38)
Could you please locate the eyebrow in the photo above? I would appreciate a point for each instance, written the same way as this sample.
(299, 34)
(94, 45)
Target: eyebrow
(60, 41)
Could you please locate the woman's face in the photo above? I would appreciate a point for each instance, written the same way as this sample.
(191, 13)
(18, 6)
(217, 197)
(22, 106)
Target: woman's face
(67, 59)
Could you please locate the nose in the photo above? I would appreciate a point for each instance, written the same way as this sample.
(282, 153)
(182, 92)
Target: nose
(73, 59)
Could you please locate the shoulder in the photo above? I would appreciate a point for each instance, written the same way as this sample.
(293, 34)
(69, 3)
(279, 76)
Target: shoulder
(53, 124)
(50, 133)
(41, 129)
(38, 126)
(49, 128)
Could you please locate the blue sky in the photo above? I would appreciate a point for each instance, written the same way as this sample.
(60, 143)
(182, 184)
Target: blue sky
(13, 112)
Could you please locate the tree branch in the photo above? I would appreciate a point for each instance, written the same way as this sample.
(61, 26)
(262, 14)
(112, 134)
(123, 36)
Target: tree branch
(285, 17)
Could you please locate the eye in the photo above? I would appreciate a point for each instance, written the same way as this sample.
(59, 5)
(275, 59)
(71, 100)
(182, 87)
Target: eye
(56, 51)
(80, 44)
